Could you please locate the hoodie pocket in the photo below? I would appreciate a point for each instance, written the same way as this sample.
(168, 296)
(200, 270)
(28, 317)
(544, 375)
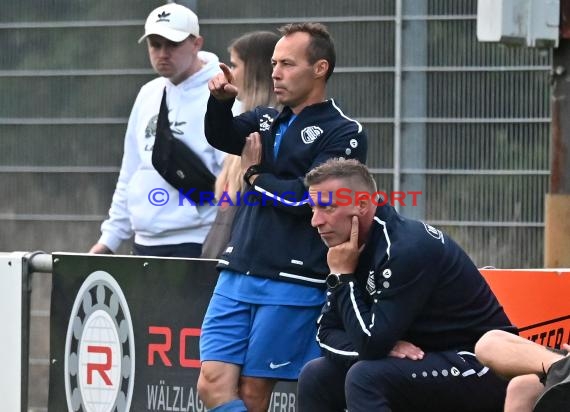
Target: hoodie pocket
(155, 207)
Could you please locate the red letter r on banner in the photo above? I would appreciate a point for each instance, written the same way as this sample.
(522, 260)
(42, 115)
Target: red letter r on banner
(100, 367)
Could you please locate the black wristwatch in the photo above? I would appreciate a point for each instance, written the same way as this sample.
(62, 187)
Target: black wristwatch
(251, 170)
(335, 279)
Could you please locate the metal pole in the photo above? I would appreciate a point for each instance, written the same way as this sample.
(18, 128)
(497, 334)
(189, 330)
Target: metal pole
(557, 207)
(39, 262)
(397, 98)
(32, 262)
(414, 105)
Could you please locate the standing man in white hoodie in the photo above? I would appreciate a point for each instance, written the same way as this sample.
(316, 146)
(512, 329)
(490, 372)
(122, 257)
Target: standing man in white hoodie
(163, 221)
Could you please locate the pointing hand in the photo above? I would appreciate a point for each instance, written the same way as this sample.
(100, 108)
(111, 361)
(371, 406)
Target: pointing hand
(222, 85)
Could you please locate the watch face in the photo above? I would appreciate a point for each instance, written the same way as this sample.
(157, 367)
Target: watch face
(333, 280)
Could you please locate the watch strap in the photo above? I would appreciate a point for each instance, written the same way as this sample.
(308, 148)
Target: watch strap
(251, 171)
(334, 280)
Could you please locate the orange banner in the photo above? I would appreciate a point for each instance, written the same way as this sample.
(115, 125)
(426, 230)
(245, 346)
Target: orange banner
(537, 301)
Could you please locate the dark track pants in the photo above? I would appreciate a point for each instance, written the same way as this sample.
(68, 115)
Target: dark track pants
(183, 250)
(443, 381)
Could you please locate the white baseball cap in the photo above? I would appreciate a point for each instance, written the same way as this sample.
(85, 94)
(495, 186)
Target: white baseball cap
(171, 21)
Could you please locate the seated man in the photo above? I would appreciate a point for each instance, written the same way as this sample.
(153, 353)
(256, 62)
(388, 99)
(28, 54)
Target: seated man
(537, 372)
(395, 285)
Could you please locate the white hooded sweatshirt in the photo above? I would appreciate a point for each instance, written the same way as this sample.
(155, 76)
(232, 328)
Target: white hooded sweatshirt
(143, 202)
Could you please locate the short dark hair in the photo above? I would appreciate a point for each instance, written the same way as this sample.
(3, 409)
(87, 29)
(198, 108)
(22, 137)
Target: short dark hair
(339, 168)
(321, 45)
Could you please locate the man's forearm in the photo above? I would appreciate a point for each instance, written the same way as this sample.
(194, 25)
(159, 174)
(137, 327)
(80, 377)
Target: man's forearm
(219, 127)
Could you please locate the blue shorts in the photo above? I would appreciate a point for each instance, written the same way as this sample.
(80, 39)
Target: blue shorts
(267, 341)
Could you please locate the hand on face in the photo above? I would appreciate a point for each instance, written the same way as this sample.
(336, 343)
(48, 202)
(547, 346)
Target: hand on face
(343, 258)
(222, 85)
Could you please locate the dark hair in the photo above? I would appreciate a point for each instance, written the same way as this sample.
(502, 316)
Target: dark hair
(339, 168)
(321, 45)
(255, 50)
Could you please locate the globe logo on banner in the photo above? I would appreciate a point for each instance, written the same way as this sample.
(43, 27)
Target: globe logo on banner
(99, 348)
